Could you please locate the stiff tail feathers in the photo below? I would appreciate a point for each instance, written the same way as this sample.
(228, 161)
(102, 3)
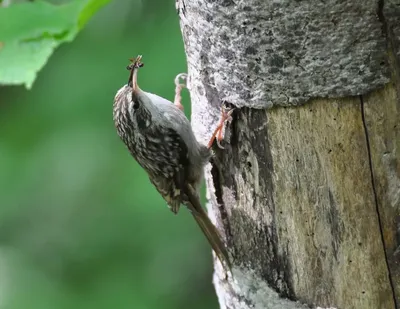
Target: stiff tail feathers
(213, 237)
(208, 228)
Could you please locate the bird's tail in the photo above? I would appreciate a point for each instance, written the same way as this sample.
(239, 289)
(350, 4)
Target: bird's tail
(213, 237)
(208, 228)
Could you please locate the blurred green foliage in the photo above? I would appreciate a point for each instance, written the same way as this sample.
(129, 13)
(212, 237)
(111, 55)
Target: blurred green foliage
(80, 224)
(30, 31)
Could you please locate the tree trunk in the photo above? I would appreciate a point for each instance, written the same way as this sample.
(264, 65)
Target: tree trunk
(307, 189)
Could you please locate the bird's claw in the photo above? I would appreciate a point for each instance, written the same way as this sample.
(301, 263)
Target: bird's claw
(182, 76)
(226, 116)
(178, 89)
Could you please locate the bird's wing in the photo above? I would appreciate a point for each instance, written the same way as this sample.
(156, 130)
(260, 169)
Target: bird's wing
(175, 189)
(172, 164)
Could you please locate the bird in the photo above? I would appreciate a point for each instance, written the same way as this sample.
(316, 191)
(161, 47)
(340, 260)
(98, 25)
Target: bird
(160, 138)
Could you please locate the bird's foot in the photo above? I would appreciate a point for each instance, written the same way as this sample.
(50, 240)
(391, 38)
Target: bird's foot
(178, 89)
(218, 135)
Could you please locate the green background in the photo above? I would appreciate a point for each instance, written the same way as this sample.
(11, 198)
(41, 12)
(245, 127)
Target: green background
(80, 224)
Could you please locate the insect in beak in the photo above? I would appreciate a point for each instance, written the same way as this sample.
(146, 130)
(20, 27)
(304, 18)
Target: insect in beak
(133, 66)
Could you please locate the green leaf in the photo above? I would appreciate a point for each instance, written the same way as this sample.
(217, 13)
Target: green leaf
(30, 32)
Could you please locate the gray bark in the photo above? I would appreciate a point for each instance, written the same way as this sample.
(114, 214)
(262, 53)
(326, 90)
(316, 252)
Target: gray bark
(307, 190)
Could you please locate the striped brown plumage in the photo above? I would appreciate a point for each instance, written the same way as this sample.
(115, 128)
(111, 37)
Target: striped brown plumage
(160, 138)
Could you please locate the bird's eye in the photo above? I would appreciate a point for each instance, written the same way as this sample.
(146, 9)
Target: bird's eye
(135, 105)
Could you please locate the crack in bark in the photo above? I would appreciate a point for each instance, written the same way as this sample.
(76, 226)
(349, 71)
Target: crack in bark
(391, 44)
(381, 16)
(216, 179)
(376, 200)
(217, 183)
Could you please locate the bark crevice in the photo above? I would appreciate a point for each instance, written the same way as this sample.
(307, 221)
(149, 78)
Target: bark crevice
(218, 193)
(381, 16)
(374, 190)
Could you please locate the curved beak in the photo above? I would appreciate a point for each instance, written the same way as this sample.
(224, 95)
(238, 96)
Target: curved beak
(134, 67)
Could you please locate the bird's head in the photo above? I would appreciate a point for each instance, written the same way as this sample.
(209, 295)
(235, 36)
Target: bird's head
(132, 107)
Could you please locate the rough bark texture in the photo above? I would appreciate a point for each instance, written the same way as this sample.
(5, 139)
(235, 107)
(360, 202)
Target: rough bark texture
(263, 53)
(307, 195)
